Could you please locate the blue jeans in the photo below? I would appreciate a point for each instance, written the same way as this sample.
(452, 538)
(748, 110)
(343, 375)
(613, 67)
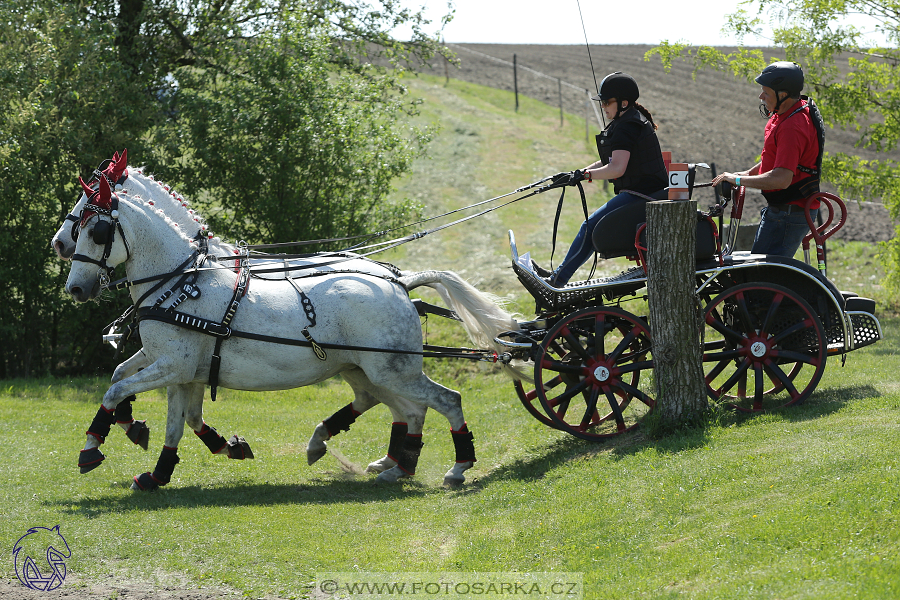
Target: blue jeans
(582, 247)
(781, 232)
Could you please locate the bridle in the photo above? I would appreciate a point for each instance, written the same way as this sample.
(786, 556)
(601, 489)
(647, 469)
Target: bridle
(103, 232)
(99, 173)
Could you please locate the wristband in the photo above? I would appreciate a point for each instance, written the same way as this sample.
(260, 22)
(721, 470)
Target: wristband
(588, 174)
(737, 181)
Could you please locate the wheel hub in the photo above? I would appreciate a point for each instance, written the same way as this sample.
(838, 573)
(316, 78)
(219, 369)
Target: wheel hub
(601, 373)
(758, 349)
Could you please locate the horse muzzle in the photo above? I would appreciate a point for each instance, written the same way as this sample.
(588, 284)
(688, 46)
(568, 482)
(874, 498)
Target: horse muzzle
(81, 293)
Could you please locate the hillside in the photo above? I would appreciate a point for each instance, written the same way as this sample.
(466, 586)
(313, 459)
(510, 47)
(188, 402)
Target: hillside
(711, 117)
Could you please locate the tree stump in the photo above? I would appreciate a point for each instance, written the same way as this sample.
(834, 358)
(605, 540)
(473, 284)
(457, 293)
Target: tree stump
(675, 318)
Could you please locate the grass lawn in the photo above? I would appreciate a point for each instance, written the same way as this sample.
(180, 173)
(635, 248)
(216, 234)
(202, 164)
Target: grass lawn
(799, 503)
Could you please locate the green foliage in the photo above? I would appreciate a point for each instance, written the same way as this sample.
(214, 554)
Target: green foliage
(267, 106)
(855, 85)
(292, 149)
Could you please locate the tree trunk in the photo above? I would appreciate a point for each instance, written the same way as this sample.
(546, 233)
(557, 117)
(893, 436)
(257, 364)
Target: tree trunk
(674, 315)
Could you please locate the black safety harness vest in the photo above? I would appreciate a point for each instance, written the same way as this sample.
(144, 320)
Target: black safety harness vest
(646, 171)
(809, 185)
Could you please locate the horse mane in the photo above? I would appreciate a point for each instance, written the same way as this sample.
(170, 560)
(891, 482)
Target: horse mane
(175, 208)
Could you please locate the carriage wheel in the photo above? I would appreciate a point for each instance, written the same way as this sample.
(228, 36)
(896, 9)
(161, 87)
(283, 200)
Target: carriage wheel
(532, 404)
(764, 347)
(588, 370)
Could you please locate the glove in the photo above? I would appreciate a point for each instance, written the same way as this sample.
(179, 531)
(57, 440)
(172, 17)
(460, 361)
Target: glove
(577, 175)
(560, 177)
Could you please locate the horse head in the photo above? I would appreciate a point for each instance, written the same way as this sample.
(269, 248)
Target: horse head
(100, 246)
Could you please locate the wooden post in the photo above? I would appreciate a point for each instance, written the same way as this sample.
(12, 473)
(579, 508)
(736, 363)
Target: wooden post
(559, 87)
(674, 316)
(587, 112)
(516, 82)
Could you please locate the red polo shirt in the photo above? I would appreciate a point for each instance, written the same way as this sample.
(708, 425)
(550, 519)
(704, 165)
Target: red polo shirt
(791, 140)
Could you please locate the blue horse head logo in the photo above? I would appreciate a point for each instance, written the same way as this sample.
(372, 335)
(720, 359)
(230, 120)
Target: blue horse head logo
(40, 558)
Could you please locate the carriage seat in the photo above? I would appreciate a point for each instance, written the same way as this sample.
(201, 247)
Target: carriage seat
(614, 233)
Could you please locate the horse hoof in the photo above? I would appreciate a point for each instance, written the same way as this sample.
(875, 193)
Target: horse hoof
(381, 465)
(314, 454)
(90, 459)
(144, 483)
(139, 433)
(455, 477)
(392, 475)
(454, 480)
(238, 448)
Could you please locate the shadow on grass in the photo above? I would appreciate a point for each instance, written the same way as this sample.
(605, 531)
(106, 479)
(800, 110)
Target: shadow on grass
(348, 491)
(569, 448)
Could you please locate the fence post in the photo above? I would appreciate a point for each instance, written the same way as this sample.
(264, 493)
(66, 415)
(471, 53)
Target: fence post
(516, 82)
(559, 87)
(587, 112)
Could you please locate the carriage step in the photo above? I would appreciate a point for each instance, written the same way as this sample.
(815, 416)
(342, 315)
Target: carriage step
(859, 304)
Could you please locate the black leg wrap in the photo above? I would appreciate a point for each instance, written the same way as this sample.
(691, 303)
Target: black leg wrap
(88, 460)
(145, 482)
(238, 448)
(409, 456)
(165, 466)
(398, 438)
(102, 422)
(139, 433)
(462, 441)
(211, 438)
(123, 410)
(341, 420)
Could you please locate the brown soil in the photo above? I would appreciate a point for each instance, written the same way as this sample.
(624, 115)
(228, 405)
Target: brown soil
(711, 118)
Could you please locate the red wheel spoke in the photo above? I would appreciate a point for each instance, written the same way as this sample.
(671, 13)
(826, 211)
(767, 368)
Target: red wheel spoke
(775, 372)
(599, 337)
(590, 411)
(577, 346)
(742, 368)
(770, 316)
(569, 393)
(627, 339)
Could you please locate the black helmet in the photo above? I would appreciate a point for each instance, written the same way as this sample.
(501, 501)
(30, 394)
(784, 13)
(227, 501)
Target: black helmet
(618, 85)
(783, 76)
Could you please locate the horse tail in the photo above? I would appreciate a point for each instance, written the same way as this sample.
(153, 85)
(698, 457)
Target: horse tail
(481, 313)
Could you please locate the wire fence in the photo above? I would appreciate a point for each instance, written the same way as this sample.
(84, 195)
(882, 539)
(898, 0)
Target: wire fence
(545, 88)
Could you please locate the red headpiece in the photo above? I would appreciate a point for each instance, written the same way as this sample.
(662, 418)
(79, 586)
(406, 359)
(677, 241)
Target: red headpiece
(99, 200)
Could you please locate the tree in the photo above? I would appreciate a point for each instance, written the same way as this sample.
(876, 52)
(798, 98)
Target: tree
(855, 84)
(81, 79)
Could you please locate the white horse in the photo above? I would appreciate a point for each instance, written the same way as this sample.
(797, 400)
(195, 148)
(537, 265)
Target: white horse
(134, 182)
(356, 314)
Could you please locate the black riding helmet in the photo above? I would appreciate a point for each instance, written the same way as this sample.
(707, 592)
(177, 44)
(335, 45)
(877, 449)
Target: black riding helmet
(617, 85)
(782, 76)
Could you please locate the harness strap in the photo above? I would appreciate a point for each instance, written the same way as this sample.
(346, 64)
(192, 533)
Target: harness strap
(150, 313)
(559, 206)
(240, 288)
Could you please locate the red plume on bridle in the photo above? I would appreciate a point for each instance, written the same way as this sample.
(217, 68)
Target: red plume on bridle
(100, 198)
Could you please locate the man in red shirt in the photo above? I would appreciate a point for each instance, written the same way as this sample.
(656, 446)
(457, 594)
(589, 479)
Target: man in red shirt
(788, 171)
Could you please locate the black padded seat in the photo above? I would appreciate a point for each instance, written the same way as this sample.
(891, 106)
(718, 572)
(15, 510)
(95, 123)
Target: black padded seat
(613, 236)
(859, 304)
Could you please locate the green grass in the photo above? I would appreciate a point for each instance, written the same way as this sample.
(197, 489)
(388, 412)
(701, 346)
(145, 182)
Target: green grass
(799, 503)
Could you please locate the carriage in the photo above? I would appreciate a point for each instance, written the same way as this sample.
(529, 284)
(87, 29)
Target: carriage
(769, 324)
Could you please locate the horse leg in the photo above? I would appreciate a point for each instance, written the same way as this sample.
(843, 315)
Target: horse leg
(152, 377)
(405, 415)
(341, 420)
(424, 391)
(137, 431)
(179, 397)
(236, 447)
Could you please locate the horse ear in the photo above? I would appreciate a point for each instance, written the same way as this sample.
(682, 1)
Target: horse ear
(105, 198)
(115, 157)
(120, 163)
(87, 189)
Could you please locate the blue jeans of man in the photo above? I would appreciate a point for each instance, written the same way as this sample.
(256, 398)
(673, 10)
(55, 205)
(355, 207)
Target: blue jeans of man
(582, 247)
(781, 229)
